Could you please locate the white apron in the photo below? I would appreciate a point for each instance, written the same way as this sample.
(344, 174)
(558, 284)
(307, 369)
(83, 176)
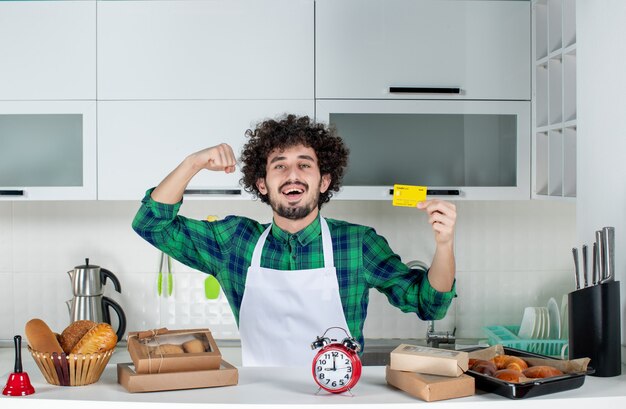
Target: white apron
(283, 311)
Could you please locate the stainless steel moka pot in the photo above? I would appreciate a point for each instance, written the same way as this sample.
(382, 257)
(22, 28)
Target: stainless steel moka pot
(89, 303)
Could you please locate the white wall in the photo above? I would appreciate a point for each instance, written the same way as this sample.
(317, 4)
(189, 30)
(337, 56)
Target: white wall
(601, 93)
(510, 255)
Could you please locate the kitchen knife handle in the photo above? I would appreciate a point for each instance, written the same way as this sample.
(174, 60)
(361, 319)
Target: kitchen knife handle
(608, 240)
(11, 193)
(585, 275)
(594, 264)
(231, 192)
(601, 255)
(424, 90)
(576, 274)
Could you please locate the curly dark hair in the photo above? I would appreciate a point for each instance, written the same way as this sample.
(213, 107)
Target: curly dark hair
(286, 132)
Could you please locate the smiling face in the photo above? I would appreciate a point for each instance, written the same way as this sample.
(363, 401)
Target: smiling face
(293, 183)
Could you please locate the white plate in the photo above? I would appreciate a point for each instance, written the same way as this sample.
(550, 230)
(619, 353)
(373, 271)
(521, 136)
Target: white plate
(541, 327)
(547, 322)
(555, 319)
(527, 327)
(541, 322)
(564, 317)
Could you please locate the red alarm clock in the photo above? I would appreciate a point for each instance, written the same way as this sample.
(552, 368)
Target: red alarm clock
(337, 366)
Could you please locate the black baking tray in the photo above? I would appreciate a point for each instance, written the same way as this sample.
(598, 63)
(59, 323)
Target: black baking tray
(527, 389)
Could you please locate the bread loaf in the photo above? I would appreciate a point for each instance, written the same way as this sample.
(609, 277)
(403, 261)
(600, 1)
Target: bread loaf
(100, 338)
(509, 362)
(167, 349)
(508, 375)
(541, 371)
(194, 346)
(41, 338)
(74, 333)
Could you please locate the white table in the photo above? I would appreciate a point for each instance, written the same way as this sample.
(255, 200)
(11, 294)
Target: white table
(287, 388)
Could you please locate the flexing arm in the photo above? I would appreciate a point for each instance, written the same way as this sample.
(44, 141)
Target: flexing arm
(216, 158)
(442, 217)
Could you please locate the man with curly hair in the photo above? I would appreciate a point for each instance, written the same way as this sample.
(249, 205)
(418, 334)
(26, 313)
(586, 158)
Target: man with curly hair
(290, 280)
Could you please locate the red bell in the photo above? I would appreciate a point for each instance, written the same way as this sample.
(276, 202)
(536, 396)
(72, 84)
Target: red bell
(18, 383)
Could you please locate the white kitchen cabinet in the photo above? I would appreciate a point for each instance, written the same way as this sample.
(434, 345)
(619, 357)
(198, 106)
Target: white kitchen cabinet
(460, 150)
(365, 47)
(140, 142)
(554, 99)
(206, 49)
(47, 50)
(48, 150)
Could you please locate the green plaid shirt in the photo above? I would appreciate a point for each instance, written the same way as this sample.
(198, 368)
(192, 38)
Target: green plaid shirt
(224, 248)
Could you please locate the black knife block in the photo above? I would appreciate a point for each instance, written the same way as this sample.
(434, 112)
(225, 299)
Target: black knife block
(594, 327)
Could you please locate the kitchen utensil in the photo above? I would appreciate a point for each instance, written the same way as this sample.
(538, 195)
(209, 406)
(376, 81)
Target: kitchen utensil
(545, 323)
(585, 275)
(564, 317)
(608, 240)
(527, 327)
(538, 332)
(601, 255)
(594, 327)
(555, 319)
(170, 277)
(211, 285)
(89, 279)
(211, 288)
(166, 262)
(96, 309)
(160, 276)
(594, 265)
(72, 369)
(508, 336)
(18, 383)
(577, 275)
(530, 388)
(89, 303)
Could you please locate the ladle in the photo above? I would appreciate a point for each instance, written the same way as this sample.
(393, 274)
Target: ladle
(18, 383)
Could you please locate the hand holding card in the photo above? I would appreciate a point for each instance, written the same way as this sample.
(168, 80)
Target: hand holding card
(408, 195)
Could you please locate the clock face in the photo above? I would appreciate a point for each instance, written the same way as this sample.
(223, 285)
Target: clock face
(336, 369)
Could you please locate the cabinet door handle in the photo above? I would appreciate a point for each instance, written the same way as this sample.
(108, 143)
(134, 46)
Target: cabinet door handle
(443, 192)
(425, 90)
(11, 193)
(438, 192)
(233, 192)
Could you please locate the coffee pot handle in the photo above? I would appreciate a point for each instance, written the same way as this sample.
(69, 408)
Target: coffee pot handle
(106, 303)
(104, 274)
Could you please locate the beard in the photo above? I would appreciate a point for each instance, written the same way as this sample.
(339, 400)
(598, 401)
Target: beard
(295, 212)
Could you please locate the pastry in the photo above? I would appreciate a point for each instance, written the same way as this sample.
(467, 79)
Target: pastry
(484, 367)
(194, 346)
(100, 338)
(73, 333)
(508, 375)
(541, 371)
(167, 349)
(41, 338)
(509, 362)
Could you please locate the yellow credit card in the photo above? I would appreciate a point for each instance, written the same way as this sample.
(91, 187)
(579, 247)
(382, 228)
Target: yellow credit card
(408, 195)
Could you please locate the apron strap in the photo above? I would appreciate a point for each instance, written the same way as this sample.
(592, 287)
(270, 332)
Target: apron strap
(327, 246)
(258, 249)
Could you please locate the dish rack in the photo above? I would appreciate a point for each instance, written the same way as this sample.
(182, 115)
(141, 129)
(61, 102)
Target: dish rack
(506, 335)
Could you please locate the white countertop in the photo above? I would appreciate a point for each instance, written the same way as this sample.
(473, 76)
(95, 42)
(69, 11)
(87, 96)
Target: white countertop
(288, 387)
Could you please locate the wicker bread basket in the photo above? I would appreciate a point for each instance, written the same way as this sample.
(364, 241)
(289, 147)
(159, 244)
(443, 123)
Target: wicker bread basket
(72, 369)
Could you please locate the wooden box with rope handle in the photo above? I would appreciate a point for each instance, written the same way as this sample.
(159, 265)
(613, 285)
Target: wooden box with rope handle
(163, 351)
